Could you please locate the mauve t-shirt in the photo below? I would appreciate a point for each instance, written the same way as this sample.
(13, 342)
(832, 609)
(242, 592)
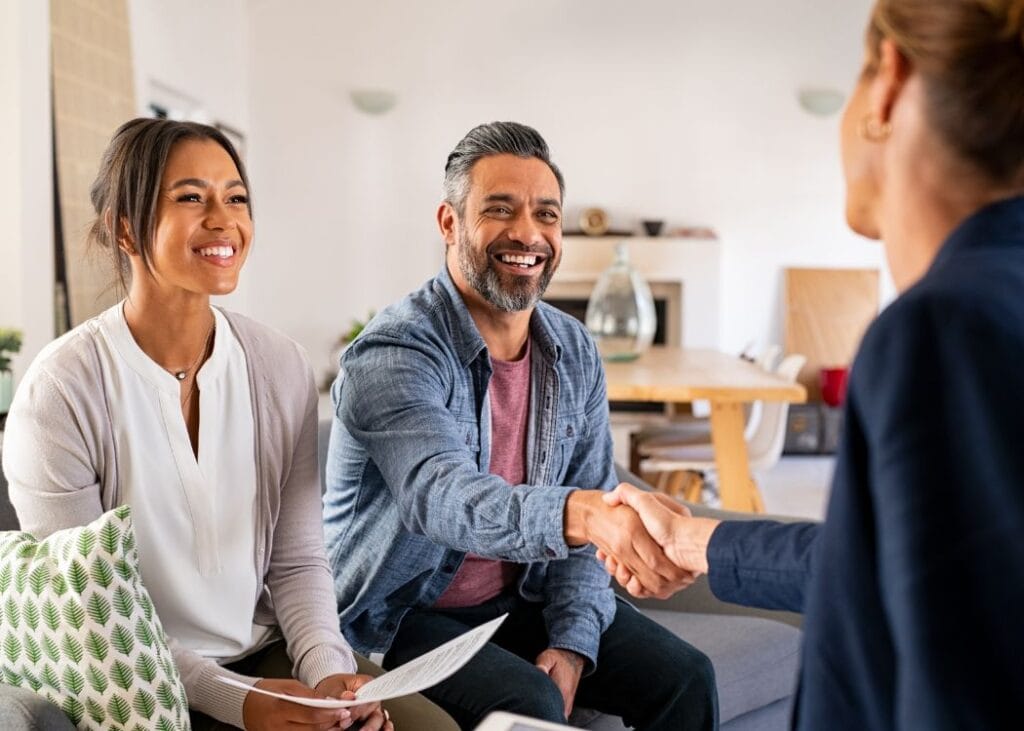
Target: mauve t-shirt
(480, 579)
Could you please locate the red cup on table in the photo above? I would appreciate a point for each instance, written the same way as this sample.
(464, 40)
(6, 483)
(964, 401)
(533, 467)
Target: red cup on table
(833, 385)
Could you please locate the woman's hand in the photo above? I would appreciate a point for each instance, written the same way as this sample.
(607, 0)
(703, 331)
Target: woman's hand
(343, 686)
(264, 713)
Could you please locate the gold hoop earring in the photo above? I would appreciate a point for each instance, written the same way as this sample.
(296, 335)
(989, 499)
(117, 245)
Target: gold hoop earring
(874, 130)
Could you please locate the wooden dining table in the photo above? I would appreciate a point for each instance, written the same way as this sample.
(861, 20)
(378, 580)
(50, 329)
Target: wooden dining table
(682, 375)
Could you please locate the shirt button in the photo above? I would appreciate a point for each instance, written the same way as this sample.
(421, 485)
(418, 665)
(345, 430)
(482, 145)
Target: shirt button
(550, 552)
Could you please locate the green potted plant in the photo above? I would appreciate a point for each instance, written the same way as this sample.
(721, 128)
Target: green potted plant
(10, 343)
(343, 341)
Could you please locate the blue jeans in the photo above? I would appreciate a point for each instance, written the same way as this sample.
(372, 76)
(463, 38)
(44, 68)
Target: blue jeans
(645, 674)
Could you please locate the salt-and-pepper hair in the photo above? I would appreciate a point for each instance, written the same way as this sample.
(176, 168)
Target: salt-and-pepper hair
(494, 138)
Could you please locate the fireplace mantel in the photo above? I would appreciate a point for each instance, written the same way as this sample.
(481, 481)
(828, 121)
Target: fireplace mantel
(683, 271)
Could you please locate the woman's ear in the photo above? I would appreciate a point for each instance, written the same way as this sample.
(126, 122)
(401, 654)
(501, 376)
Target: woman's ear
(894, 69)
(123, 239)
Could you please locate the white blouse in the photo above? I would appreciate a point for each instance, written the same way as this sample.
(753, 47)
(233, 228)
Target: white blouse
(194, 518)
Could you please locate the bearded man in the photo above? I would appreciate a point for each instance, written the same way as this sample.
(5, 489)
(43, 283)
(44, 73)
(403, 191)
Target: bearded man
(469, 449)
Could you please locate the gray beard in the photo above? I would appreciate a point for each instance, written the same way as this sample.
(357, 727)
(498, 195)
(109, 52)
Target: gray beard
(481, 276)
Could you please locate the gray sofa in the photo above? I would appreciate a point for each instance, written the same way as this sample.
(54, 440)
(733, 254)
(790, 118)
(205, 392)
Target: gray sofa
(755, 653)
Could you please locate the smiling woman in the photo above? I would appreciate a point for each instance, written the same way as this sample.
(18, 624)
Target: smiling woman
(204, 423)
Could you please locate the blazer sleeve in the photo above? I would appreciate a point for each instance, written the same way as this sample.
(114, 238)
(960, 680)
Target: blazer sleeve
(763, 563)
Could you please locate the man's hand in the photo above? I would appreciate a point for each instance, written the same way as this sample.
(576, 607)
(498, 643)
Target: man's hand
(263, 713)
(564, 667)
(344, 687)
(618, 531)
(684, 538)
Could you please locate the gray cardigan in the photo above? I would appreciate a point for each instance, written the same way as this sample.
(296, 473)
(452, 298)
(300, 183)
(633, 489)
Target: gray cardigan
(62, 464)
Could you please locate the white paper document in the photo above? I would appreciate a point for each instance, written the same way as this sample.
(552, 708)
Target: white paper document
(414, 676)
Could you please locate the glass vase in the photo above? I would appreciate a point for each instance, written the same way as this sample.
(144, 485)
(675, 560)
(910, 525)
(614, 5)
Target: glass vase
(620, 313)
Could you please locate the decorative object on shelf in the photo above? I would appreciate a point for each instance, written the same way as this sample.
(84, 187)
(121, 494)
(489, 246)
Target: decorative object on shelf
(653, 227)
(373, 101)
(620, 313)
(821, 102)
(594, 221)
(10, 343)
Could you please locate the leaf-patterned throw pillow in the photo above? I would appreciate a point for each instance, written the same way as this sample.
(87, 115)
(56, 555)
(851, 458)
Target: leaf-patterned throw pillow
(78, 627)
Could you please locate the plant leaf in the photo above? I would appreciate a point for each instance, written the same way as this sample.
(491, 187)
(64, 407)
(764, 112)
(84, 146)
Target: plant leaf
(12, 612)
(21, 575)
(10, 676)
(121, 675)
(31, 679)
(12, 650)
(102, 572)
(123, 602)
(51, 615)
(122, 639)
(78, 577)
(119, 709)
(97, 680)
(49, 677)
(73, 613)
(73, 680)
(143, 633)
(110, 537)
(50, 648)
(98, 608)
(95, 711)
(165, 695)
(39, 578)
(30, 613)
(144, 704)
(72, 648)
(123, 569)
(96, 645)
(32, 650)
(86, 542)
(73, 709)
(145, 667)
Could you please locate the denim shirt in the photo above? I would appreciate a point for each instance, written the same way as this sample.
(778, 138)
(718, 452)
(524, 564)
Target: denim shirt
(408, 489)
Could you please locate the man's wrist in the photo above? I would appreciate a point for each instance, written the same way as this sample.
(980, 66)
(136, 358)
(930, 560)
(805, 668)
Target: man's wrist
(579, 508)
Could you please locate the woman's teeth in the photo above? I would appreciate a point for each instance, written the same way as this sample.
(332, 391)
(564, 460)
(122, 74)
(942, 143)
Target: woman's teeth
(220, 251)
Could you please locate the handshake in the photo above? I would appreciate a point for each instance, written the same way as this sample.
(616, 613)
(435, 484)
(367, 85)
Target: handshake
(648, 541)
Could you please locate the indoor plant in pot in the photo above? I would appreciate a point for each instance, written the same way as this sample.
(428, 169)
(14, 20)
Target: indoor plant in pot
(10, 343)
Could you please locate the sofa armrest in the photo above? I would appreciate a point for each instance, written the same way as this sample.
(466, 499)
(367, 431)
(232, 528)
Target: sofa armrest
(23, 710)
(698, 597)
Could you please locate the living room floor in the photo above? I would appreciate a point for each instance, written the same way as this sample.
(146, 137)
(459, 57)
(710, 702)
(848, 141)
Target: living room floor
(798, 486)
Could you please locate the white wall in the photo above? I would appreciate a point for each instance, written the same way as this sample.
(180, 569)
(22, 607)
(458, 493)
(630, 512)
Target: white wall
(674, 109)
(26, 185)
(199, 49)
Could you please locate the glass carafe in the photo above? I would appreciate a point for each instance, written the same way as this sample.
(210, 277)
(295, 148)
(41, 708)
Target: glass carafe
(620, 313)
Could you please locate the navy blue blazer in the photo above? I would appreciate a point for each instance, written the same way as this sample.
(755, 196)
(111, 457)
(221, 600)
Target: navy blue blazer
(913, 588)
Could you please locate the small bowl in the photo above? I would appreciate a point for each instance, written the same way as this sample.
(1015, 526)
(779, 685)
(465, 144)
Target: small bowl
(653, 228)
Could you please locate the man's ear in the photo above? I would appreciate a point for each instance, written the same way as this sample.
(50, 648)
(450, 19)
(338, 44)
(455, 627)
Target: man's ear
(893, 71)
(446, 222)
